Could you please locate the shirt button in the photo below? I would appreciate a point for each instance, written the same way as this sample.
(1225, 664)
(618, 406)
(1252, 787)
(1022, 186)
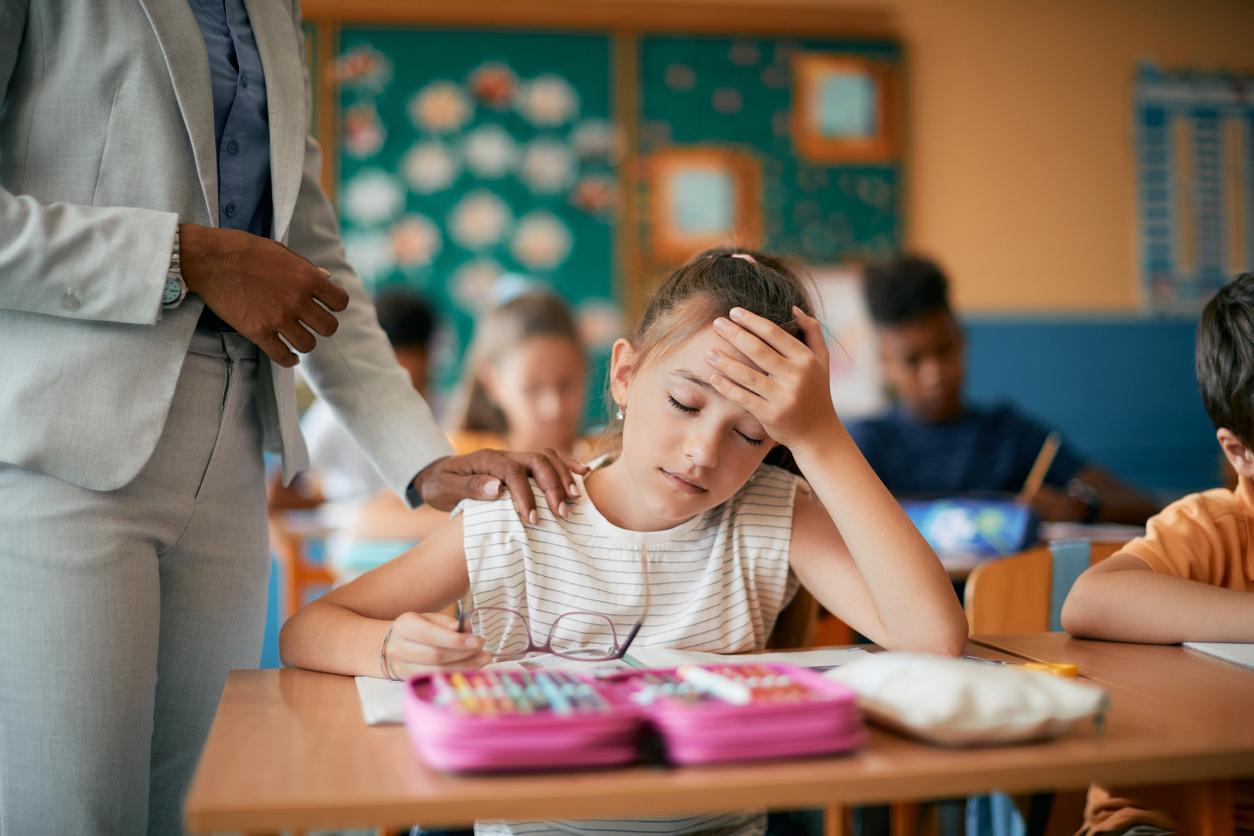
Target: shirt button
(232, 147)
(229, 210)
(243, 81)
(70, 300)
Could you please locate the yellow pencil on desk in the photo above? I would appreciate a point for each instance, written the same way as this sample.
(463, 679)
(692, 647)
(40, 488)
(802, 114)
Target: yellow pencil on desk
(1036, 476)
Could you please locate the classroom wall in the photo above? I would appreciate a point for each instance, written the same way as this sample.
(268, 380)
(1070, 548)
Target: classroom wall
(1020, 162)
(1120, 389)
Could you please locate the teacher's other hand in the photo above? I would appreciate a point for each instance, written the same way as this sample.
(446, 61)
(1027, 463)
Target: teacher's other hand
(481, 475)
(261, 289)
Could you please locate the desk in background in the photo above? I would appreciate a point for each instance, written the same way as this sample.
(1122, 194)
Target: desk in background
(289, 749)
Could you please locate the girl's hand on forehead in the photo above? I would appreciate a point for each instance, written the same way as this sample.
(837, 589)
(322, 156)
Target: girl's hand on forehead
(793, 398)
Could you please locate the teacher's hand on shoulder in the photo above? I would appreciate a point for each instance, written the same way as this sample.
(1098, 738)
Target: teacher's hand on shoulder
(483, 474)
(261, 289)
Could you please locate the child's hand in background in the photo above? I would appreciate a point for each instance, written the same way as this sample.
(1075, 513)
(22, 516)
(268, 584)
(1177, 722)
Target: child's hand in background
(419, 640)
(793, 399)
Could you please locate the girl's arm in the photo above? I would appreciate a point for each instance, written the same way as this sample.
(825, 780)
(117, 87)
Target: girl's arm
(859, 554)
(343, 631)
(854, 547)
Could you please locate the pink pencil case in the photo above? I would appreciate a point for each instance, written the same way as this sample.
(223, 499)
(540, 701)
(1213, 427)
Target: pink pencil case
(822, 718)
(600, 726)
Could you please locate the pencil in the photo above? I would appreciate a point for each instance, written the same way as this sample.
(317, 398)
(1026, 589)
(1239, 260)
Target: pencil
(1036, 476)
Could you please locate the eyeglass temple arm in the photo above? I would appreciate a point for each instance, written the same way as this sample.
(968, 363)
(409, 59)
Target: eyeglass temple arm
(644, 610)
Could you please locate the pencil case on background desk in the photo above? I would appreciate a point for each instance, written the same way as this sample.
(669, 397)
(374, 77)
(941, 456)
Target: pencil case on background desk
(509, 722)
(975, 526)
(780, 712)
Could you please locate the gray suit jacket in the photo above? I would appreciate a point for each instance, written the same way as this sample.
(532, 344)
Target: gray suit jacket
(106, 143)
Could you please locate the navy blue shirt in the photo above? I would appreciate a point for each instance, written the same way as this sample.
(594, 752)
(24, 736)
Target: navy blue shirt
(241, 125)
(983, 450)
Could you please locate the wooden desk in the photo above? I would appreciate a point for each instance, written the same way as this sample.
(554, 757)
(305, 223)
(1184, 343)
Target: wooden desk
(289, 749)
(1196, 695)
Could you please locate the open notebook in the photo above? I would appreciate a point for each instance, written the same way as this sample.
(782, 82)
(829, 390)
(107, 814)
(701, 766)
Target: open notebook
(1235, 652)
(383, 701)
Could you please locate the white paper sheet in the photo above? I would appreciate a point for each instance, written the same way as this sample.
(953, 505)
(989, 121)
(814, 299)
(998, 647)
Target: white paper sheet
(1237, 653)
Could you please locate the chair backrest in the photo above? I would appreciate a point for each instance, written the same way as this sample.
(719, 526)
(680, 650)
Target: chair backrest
(1023, 593)
(795, 625)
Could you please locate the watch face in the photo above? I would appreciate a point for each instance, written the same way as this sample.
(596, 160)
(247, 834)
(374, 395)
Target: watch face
(172, 291)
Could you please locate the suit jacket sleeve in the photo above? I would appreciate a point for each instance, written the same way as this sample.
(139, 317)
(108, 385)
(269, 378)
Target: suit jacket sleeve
(355, 370)
(84, 262)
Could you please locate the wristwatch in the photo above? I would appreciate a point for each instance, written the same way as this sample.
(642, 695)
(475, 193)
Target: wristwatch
(175, 288)
(1088, 499)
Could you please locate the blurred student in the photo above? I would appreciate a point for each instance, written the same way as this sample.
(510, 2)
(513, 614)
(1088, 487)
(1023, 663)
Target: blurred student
(932, 442)
(340, 467)
(1191, 577)
(525, 379)
(523, 388)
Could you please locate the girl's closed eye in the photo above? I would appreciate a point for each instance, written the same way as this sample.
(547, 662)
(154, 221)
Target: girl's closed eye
(747, 437)
(681, 407)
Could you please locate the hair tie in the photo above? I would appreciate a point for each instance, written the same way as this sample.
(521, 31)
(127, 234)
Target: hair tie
(746, 257)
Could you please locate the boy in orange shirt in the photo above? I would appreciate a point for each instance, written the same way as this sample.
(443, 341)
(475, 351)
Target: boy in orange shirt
(1191, 577)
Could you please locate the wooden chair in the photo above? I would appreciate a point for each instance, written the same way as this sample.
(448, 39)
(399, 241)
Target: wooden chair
(1024, 593)
(290, 537)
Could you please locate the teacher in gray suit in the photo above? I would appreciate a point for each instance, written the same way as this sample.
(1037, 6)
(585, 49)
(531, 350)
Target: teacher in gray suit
(166, 258)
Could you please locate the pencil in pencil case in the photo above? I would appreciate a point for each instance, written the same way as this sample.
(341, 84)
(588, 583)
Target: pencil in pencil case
(506, 721)
(789, 712)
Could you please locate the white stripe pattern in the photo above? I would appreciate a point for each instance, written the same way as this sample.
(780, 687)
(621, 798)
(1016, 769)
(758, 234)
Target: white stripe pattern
(717, 583)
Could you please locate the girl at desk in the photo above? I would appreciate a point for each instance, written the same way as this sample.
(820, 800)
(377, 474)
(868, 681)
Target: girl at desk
(693, 531)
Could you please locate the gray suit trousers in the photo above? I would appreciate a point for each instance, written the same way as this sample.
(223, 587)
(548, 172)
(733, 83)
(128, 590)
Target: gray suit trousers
(122, 611)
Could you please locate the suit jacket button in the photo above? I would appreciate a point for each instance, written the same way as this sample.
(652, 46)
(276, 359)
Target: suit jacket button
(70, 301)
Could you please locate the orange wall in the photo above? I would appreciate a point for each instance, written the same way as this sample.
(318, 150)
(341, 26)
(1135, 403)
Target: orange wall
(1020, 154)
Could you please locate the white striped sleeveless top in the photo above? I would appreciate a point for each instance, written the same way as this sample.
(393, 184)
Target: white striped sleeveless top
(717, 583)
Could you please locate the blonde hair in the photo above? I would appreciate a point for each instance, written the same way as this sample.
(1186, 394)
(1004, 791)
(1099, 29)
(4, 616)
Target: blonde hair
(535, 313)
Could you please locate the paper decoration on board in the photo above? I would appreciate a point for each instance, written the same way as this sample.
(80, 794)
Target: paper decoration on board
(371, 252)
(490, 152)
(541, 241)
(600, 323)
(728, 100)
(680, 77)
(363, 68)
(596, 194)
(472, 284)
(854, 370)
(416, 241)
(597, 139)
(479, 220)
(373, 196)
(1195, 167)
(363, 130)
(548, 166)
(547, 100)
(494, 84)
(441, 107)
(744, 54)
(430, 167)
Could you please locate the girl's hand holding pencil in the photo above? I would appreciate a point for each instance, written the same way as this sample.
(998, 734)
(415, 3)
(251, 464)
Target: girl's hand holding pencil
(419, 640)
(788, 391)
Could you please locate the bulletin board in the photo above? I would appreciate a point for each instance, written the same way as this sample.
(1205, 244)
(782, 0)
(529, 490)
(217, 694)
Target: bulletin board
(590, 147)
(1195, 167)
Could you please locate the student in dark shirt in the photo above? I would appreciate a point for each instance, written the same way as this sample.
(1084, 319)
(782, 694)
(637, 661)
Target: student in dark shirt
(931, 442)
